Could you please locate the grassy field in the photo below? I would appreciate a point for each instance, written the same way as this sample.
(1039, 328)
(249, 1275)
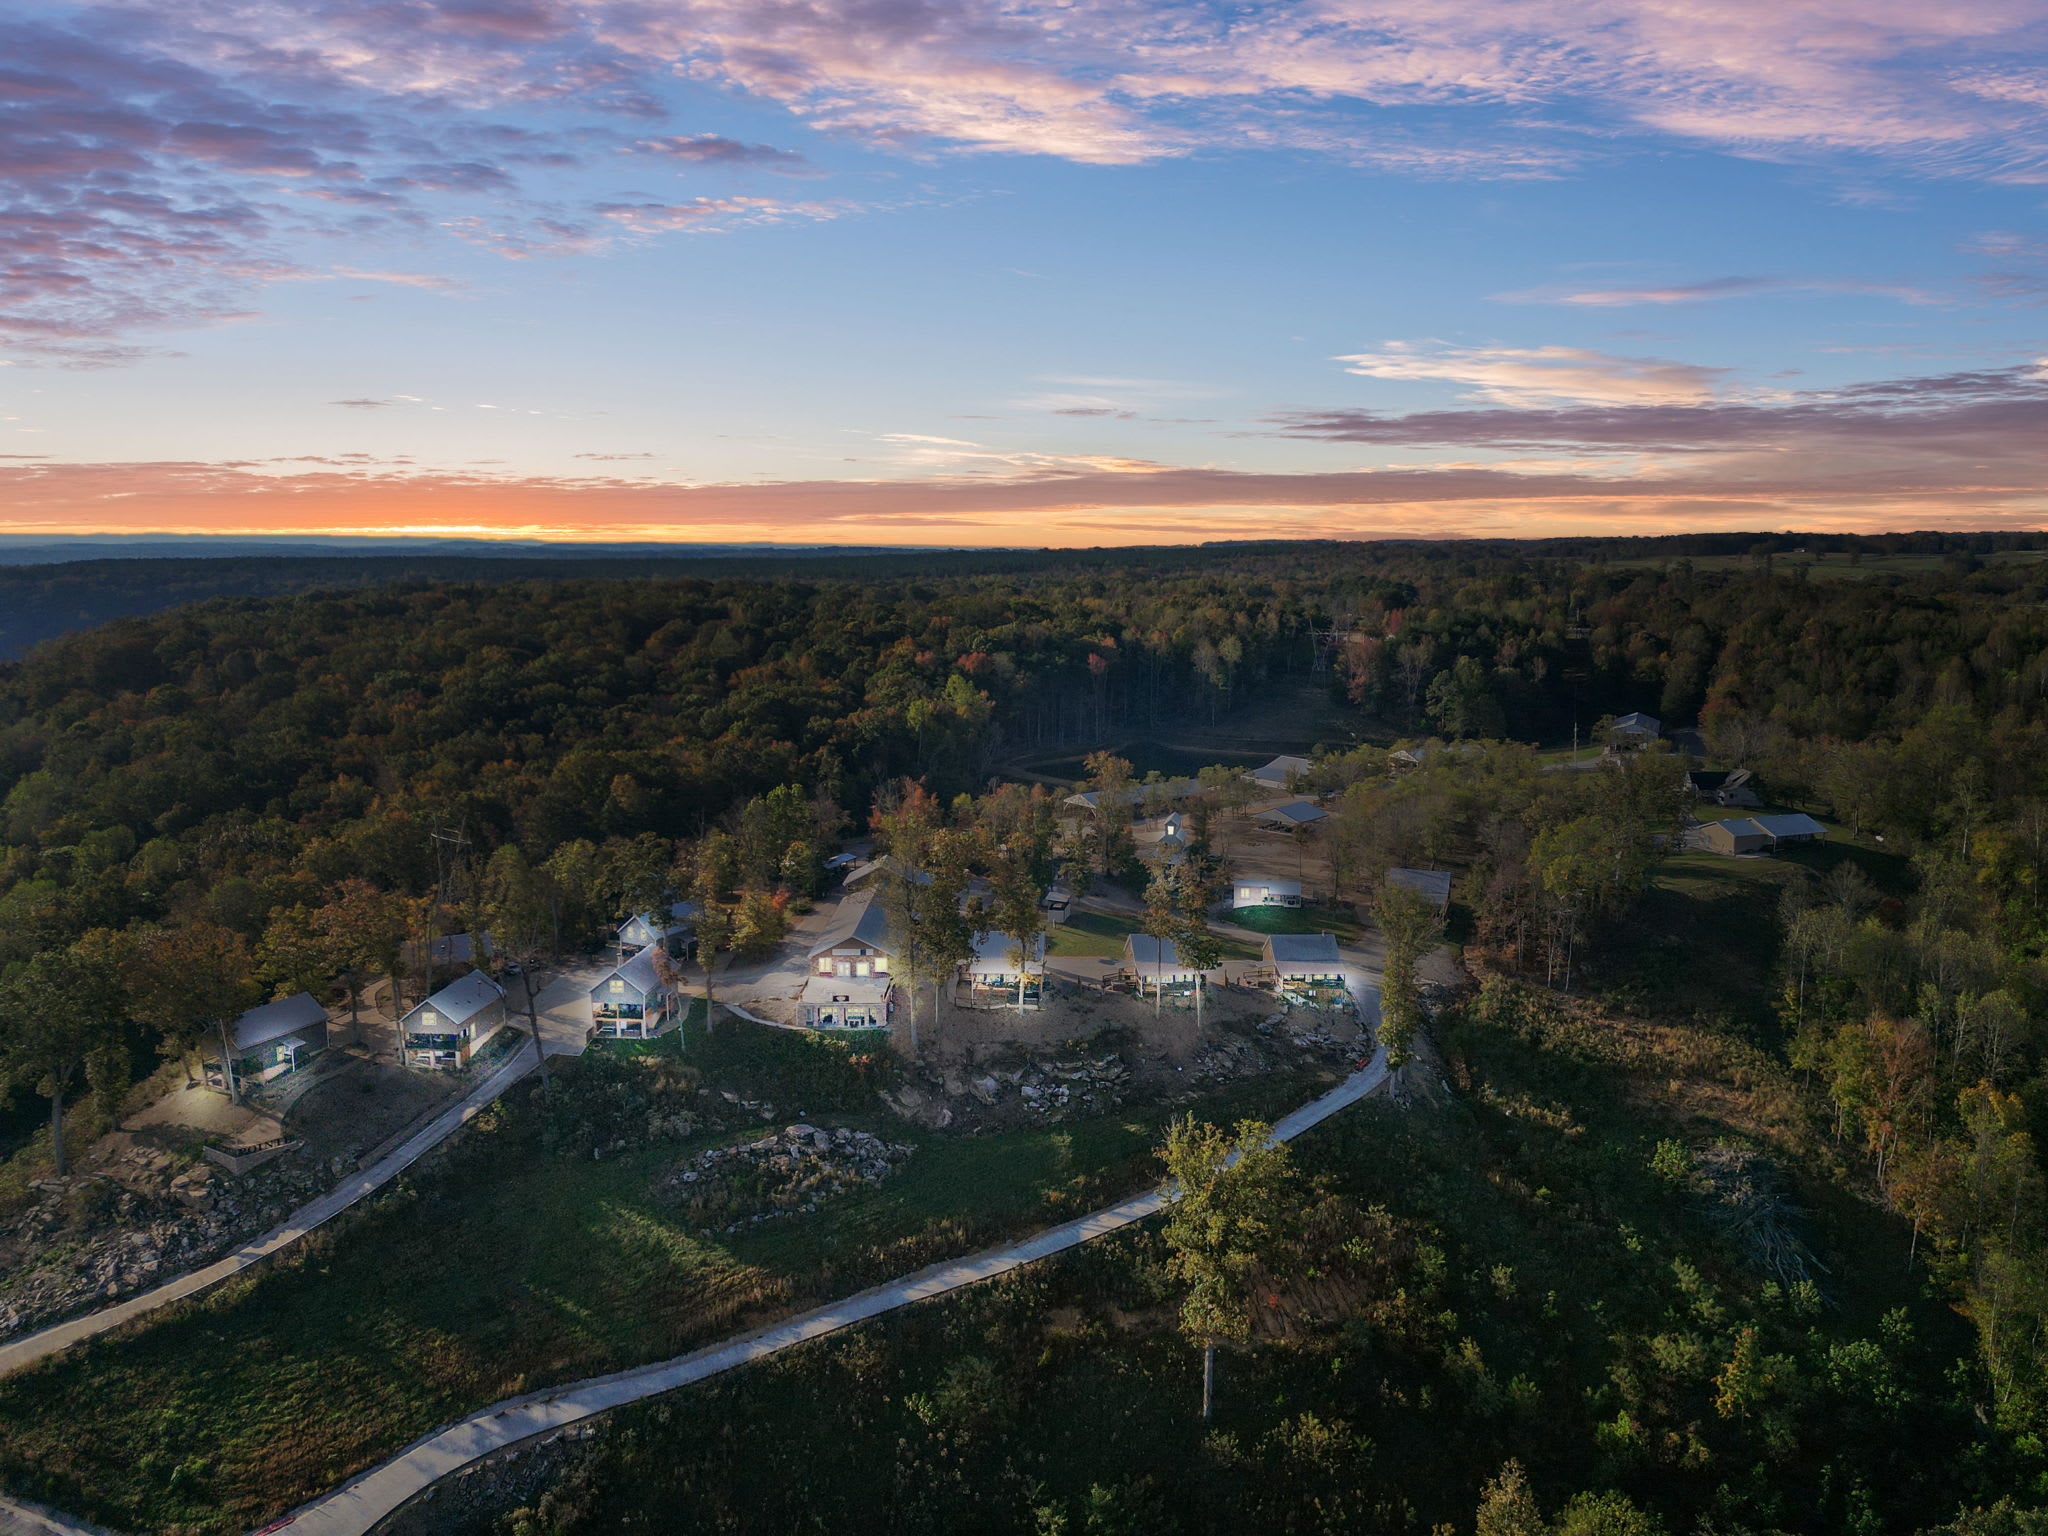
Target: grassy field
(515, 1259)
(1705, 940)
(1533, 1284)
(1310, 918)
(1096, 935)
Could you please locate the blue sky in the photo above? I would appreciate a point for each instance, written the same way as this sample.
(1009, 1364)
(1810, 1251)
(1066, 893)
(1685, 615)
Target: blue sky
(884, 271)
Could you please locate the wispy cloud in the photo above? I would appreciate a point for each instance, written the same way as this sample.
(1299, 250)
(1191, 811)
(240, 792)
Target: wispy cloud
(1708, 290)
(715, 149)
(1533, 376)
(714, 214)
(1939, 450)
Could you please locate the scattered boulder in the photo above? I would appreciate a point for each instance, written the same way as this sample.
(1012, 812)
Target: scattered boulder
(725, 1189)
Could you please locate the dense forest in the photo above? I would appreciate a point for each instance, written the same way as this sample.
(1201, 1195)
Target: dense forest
(225, 775)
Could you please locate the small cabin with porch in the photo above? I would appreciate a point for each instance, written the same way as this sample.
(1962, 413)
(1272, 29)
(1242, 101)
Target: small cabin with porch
(994, 975)
(447, 1030)
(632, 1001)
(1164, 841)
(645, 929)
(1306, 968)
(1154, 965)
(1264, 891)
(271, 1041)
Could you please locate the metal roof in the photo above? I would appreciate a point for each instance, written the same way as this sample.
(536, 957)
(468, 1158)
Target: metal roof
(1433, 883)
(638, 973)
(888, 864)
(1303, 949)
(1135, 795)
(457, 948)
(1144, 949)
(859, 920)
(1280, 769)
(994, 948)
(1737, 826)
(273, 1021)
(1263, 882)
(1793, 824)
(1636, 720)
(463, 998)
(1296, 812)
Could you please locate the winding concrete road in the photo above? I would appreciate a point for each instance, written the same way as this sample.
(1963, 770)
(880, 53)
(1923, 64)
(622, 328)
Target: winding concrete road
(557, 1035)
(357, 1506)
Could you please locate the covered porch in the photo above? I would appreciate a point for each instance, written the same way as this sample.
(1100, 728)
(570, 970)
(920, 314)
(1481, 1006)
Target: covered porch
(846, 1002)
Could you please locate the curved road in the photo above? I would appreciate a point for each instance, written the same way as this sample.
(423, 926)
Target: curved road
(357, 1506)
(26, 1351)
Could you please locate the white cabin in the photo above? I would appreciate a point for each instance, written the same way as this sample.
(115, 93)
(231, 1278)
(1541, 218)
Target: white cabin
(447, 1029)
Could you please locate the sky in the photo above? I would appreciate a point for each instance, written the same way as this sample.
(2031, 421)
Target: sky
(1022, 272)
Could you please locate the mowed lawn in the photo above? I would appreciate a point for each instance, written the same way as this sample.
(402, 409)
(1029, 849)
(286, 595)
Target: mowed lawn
(1097, 935)
(1704, 940)
(490, 1276)
(1341, 921)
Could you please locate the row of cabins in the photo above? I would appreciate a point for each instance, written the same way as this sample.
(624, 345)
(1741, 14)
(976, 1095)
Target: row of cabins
(1301, 967)
(851, 983)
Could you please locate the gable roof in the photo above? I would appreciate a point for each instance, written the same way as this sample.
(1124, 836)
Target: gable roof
(1794, 824)
(1432, 883)
(273, 1021)
(1636, 720)
(1296, 813)
(1135, 795)
(1303, 948)
(859, 921)
(638, 973)
(1144, 949)
(1736, 826)
(463, 998)
(889, 864)
(995, 947)
(451, 949)
(646, 927)
(1280, 770)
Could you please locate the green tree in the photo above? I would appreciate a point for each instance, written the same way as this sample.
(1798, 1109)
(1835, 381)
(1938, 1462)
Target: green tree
(716, 928)
(1199, 946)
(759, 923)
(60, 1017)
(366, 930)
(190, 983)
(518, 913)
(1234, 1196)
(1413, 927)
(1013, 909)
(1507, 1506)
(1162, 921)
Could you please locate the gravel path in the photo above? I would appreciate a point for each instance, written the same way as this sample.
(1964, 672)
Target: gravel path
(357, 1506)
(58, 1337)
